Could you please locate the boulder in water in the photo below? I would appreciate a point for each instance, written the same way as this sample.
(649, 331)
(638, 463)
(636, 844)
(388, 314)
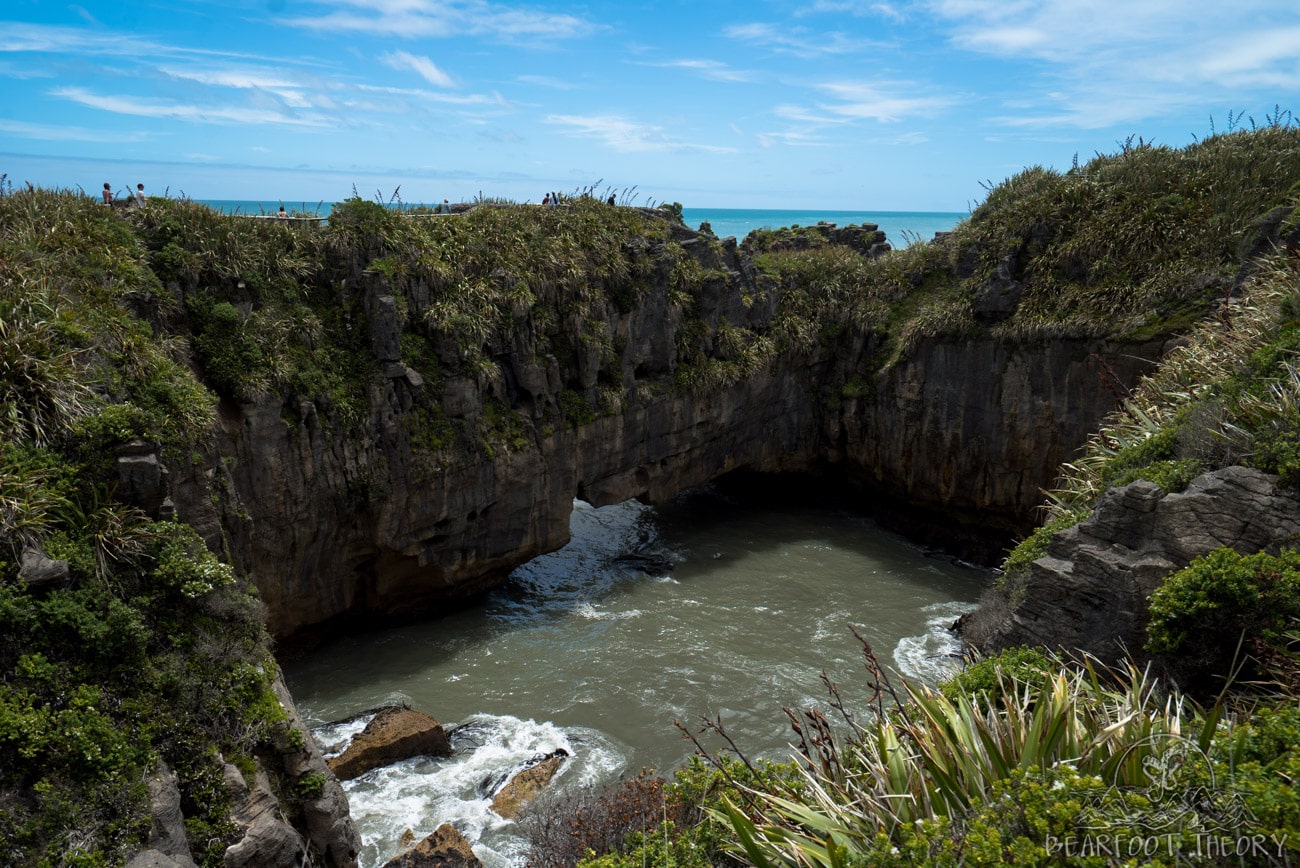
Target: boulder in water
(393, 734)
(524, 787)
(445, 848)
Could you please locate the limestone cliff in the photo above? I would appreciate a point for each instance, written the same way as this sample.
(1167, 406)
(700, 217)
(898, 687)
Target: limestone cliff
(1091, 591)
(337, 523)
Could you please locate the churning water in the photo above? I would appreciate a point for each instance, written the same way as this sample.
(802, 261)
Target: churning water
(708, 606)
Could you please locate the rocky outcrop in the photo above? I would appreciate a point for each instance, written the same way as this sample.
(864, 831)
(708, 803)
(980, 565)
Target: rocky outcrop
(168, 846)
(312, 828)
(1090, 592)
(974, 430)
(446, 847)
(266, 838)
(392, 735)
(323, 816)
(866, 238)
(524, 786)
(36, 569)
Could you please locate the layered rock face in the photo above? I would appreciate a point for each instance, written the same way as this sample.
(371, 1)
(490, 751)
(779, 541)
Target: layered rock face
(974, 431)
(336, 525)
(1091, 592)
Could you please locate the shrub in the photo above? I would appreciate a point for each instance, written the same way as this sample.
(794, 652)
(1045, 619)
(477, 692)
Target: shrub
(1201, 612)
(561, 831)
(985, 676)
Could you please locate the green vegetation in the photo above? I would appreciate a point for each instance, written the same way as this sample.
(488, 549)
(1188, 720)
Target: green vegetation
(1024, 759)
(1227, 608)
(1027, 758)
(118, 326)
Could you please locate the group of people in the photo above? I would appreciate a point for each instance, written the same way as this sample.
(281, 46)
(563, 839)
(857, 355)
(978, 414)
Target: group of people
(139, 197)
(554, 199)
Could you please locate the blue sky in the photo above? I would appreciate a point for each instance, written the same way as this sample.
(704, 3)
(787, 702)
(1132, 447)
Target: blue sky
(821, 104)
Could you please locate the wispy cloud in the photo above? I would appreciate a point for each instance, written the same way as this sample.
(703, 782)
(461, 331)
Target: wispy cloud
(879, 102)
(443, 18)
(799, 41)
(172, 110)
(855, 8)
(713, 70)
(547, 81)
(292, 92)
(622, 134)
(794, 138)
(422, 66)
(465, 99)
(56, 133)
(1120, 61)
(911, 137)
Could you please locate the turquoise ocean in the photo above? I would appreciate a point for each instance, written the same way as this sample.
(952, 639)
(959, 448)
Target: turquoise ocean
(900, 227)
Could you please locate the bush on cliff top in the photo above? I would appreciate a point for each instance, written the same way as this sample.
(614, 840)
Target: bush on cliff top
(1223, 609)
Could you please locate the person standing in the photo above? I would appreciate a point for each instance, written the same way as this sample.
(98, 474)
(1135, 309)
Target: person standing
(139, 195)
(107, 193)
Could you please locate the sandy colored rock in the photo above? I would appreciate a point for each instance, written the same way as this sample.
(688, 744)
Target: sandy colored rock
(394, 734)
(445, 848)
(524, 787)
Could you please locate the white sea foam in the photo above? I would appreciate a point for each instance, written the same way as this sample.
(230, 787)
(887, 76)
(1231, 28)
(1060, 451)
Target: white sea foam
(595, 613)
(334, 738)
(935, 654)
(422, 793)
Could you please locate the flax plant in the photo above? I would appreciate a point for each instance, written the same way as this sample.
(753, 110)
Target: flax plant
(943, 759)
(1189, 376)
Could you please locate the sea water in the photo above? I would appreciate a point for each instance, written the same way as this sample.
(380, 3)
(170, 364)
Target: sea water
(711, 606)
(901, 228)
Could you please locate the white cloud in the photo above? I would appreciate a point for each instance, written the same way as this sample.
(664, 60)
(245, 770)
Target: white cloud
(444, 18)
(53, 133)
(234, 76)
(290, 91)
(855, 8)
(171, 110)
(622, 134)
(711, 69)
(1268, 58)
(798, 41)
(912, 137)
(1113, 62)
(422, 66)
(546, 81)
(867, 101)
(795, 138)
(469, 99)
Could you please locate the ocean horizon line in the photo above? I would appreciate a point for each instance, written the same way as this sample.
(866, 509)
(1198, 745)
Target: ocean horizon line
(899, 226)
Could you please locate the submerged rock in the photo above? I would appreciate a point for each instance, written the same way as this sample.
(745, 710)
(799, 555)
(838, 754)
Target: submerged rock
(445, 848)
(393, 734)
(524, 787)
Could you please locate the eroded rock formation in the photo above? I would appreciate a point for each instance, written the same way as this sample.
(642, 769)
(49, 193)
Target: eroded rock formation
(1090, 592)
(335, 523)
(445, 847)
